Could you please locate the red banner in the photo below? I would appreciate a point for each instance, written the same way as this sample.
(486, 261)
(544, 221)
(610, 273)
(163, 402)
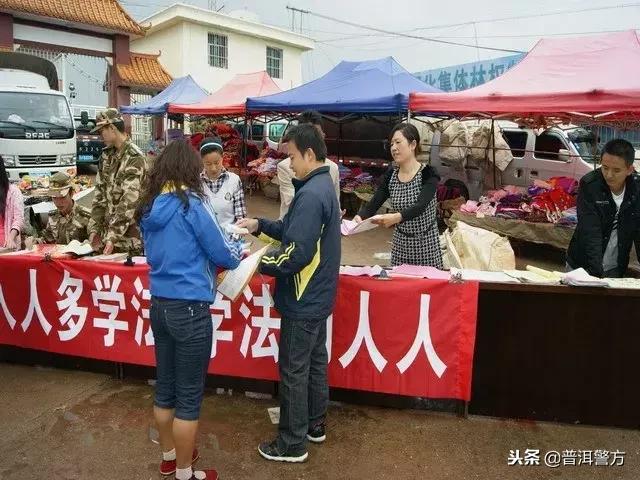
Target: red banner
(400, 336)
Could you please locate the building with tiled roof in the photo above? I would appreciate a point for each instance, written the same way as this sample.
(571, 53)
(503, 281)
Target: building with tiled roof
(144, 72)
(107, 15)
(86, 28)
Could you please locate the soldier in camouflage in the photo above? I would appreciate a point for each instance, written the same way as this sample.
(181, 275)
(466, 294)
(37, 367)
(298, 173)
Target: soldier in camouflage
(120, 172)
(69, 221)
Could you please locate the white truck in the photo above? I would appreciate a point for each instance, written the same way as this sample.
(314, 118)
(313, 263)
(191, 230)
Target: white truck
(537, 155)
(37, 134)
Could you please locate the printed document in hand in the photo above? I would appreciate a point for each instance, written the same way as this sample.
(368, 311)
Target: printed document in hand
(235, 281)
(349, 227)
(234, 229)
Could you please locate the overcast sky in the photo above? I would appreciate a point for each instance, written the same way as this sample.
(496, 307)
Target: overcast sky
(406, 15)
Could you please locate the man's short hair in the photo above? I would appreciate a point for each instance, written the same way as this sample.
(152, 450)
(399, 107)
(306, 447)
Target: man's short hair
(619, 147)
(307, 136)
(311, 117)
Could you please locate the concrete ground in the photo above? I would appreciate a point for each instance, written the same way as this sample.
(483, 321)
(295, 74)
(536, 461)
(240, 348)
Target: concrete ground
(59, 424)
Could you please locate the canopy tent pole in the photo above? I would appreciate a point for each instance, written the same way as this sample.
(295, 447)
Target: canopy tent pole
(165, 128)
(245, 131)
(492, 142)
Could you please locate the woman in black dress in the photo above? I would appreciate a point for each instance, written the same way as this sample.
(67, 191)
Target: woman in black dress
(411, 186)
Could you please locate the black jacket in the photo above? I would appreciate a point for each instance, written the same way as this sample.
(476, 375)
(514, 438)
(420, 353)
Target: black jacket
(596, 213)
(307, 264)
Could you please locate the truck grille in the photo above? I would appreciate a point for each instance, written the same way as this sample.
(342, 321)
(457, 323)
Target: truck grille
(37, 160)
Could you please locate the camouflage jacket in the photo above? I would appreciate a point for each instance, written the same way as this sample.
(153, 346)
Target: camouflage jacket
(120, 175)
(61, 229)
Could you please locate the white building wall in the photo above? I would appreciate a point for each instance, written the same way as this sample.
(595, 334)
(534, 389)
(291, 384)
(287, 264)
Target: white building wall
(169, 42)
(185, 50)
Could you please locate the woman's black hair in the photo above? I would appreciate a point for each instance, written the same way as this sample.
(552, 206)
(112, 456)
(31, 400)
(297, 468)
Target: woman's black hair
(410, 132)
(210, 144)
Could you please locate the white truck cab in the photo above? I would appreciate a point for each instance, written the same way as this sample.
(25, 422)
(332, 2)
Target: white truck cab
(37, 134)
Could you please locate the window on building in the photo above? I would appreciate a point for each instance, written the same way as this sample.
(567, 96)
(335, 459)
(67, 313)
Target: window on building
(274, 62)
(218, 51)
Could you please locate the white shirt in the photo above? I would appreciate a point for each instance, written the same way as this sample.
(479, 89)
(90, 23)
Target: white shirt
(610, 257)
(220, 203)
(287, 191)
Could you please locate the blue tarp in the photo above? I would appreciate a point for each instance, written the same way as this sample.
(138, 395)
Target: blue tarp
(375, 86)
(183, 90)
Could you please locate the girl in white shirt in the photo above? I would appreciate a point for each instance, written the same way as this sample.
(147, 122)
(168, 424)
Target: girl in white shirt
(223, 189)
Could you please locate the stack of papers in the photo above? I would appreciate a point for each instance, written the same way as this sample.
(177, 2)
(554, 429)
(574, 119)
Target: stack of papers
(630, 283)
(368, 271)
(481, 276)
(555, 276)
(418, 271)
(527, 276)
(114, 257)
(580, 278)
(349, 227)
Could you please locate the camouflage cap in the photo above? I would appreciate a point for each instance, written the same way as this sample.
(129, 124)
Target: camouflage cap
(107, 117)
(59, 184)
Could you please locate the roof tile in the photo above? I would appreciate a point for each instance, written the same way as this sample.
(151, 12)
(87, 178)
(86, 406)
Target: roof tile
(107, 14)
(144, 71)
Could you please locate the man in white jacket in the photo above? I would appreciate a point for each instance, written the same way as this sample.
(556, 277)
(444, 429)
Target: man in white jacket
(285, 174)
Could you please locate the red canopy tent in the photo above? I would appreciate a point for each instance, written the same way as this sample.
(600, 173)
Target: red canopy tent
(591, 79)
(231, 99)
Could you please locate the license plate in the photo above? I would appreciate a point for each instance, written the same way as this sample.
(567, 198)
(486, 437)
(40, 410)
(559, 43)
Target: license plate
(85, 157)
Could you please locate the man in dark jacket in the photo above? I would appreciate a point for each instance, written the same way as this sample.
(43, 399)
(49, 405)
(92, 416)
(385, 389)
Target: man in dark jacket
(306, 267)
(608, 214)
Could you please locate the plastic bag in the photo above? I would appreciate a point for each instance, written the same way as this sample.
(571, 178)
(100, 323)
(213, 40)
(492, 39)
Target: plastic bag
(479, 249)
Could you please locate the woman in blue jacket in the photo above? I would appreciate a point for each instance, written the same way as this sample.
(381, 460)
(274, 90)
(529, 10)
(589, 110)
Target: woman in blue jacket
(184, 245)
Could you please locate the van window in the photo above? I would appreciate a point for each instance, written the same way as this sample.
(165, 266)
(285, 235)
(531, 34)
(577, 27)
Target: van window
(548, 146)
(517, 142)
(257, 131)
(275, 131)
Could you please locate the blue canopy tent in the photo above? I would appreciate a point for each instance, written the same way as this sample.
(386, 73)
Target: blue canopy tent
(183, 90)
(375, 87)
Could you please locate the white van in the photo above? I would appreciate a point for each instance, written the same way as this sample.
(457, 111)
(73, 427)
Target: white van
(553, 152)
(261, 132)
(37, 134)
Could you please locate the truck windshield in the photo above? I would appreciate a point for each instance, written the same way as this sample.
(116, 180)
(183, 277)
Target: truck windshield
(34, 111)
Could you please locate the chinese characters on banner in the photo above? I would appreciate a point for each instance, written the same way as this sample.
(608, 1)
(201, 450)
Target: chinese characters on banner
(404, 336)
(460, 77)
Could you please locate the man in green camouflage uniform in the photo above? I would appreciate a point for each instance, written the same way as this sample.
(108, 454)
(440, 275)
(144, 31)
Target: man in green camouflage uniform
(120, 172)
(69, 221)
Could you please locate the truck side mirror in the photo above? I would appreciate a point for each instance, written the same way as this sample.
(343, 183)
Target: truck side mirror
(564, 155)
(84, 117)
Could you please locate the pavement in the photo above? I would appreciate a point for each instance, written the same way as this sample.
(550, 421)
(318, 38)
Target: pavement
(63, 424)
